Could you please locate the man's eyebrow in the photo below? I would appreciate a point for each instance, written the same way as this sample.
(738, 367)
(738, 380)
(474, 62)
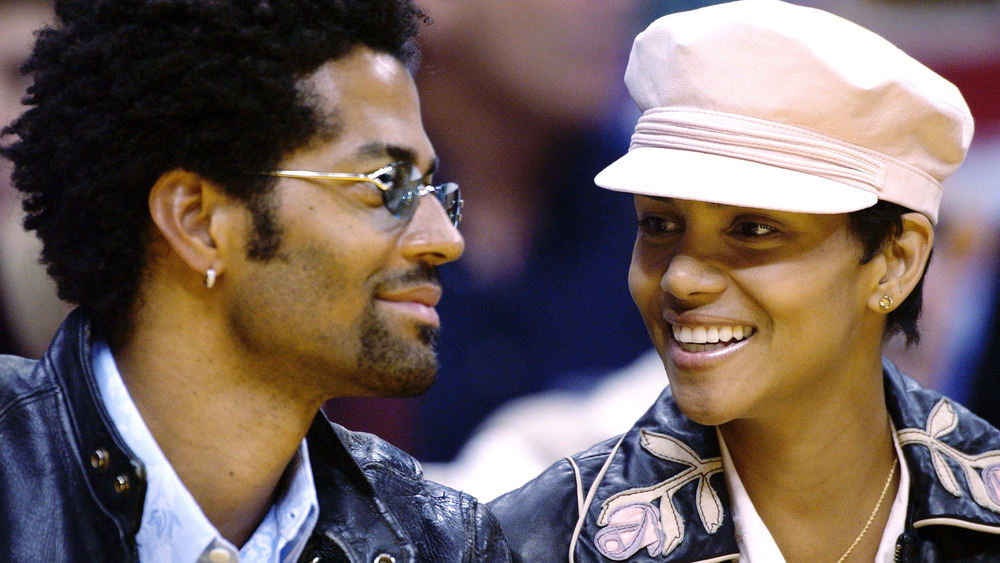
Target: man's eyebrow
(395, 152)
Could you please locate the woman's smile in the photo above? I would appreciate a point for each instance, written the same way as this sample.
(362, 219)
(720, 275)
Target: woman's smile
(710, 337)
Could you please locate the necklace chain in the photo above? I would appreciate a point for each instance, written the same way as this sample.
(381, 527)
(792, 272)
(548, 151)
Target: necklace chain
(871, 517)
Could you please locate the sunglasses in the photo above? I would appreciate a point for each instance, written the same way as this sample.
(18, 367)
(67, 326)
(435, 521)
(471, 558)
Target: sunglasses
(401, 184)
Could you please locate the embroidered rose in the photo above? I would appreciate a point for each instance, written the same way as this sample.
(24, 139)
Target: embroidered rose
(631, 528)
(670, 525)
(991, 478)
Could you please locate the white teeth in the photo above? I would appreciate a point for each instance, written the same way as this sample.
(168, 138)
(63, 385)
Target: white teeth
(711, 334)
(725, 334)
(699, 335)
(683, 334)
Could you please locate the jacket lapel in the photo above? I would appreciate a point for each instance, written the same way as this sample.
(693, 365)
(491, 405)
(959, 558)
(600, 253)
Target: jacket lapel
(351, 516)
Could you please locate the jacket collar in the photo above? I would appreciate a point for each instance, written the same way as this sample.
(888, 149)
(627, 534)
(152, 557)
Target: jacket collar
(115, 475)
(953, 456)
(681, 506)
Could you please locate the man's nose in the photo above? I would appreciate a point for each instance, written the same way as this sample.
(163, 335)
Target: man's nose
(430, 236)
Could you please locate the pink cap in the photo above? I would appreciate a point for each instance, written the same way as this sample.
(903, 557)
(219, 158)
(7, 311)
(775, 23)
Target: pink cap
(761, 103)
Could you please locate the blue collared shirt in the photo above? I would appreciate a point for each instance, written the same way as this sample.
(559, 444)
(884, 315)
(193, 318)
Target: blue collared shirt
(174, 528)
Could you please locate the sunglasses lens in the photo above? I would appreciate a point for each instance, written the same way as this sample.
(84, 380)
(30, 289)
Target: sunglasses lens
(405, 186)
(401, 197)
(451, 199)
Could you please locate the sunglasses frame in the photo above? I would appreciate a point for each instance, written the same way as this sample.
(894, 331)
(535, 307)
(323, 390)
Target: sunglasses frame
(412, 190)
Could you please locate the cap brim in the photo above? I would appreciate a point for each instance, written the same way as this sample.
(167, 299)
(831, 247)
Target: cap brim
(685, 174)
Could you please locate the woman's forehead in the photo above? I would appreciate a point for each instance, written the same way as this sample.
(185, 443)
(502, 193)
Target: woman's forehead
(702, 204)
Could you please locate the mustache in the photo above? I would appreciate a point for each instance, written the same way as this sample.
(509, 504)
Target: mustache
(420, 274)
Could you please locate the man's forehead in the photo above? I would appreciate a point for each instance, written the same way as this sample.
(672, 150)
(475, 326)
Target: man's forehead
(377, 67)
(367, 112)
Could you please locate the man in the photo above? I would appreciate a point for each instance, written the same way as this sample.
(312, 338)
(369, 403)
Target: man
(231, 192)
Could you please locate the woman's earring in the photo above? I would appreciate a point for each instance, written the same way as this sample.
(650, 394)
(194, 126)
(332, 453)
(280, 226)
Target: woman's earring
(885, 303)
(210, 278)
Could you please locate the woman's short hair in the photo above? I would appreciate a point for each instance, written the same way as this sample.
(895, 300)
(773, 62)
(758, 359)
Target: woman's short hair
(876, 227)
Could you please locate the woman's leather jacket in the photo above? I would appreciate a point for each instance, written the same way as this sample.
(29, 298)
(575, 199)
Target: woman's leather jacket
(658, 493)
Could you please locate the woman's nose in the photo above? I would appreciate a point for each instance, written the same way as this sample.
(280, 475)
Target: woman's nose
(689, 278)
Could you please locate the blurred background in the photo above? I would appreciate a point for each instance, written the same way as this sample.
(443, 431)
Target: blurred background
(543, 351)
(30, 310)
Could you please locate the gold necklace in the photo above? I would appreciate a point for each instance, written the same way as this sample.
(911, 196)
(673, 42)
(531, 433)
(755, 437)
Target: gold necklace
(871, 517)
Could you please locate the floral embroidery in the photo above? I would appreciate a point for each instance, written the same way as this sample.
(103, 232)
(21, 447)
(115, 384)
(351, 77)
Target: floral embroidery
(991, 477)
(631, 527)
(984, 486)
(627, 519)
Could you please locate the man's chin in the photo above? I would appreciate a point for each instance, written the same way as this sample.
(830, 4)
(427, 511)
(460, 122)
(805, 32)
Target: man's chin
(394, 364)
(410, 388)
(400, 381)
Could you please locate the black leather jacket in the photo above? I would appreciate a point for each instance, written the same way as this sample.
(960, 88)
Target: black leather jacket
(70, 490)
(665, 475)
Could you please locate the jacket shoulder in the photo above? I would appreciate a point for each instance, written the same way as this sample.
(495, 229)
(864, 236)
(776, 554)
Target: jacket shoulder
(20, 382)
(443, 524)
(953, 457)
(538, 518)
(925, 416)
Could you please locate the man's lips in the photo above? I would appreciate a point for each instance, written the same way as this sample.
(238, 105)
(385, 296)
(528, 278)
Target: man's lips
(418, 301)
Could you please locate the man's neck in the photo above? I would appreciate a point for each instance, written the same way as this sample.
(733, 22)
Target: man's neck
(227, 435)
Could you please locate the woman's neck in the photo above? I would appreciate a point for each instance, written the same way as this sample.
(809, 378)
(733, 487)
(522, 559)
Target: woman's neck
(815, 475)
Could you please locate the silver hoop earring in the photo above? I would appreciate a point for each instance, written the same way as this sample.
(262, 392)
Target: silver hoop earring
(210, 278)
(885, 303)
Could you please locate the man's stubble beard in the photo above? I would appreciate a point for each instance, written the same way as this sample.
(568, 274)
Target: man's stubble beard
(390, 366)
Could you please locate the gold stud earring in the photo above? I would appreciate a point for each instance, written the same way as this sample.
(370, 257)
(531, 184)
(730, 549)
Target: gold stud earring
(210, 278)
(885, 303)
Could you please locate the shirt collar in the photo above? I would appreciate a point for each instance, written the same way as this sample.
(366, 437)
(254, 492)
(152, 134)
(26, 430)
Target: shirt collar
(755, 541)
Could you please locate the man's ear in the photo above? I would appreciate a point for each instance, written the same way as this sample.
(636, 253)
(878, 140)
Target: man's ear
(184, 207)
(905, 260)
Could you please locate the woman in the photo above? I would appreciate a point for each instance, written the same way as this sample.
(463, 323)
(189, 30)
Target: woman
(787, 173)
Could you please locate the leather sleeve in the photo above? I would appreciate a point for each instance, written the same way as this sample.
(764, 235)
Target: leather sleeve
(538, 518)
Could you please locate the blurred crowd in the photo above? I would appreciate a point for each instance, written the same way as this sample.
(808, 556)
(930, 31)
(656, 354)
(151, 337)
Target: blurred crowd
(524, 101)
